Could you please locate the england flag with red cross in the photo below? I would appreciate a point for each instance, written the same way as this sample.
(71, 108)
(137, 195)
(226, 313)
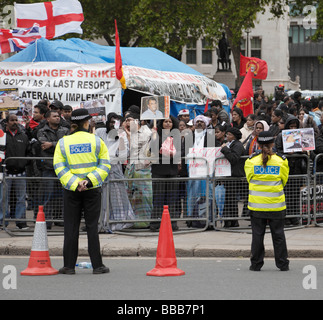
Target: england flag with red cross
(55, 18)
(18, 39)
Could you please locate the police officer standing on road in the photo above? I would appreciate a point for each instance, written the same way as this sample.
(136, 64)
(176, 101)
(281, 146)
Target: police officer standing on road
(81, 162)
(267, 174)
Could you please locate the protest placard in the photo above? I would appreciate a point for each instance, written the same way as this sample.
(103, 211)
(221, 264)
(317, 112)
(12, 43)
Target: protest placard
(298, 140)
(198, 167)
(9, 99)
(155, 108)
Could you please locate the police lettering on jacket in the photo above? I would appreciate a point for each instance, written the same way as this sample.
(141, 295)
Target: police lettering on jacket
(274, 170)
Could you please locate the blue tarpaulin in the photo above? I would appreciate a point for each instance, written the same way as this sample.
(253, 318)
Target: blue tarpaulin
(85, 52)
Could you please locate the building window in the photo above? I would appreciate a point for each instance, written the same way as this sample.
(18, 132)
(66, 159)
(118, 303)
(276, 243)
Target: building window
(207, 52)
(297, 34)
(256, 47)
(191, 52)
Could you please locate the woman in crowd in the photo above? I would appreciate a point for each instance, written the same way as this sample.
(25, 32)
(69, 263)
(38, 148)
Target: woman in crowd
(213, 114)
(233, 150)
(267, 202)
(252, 144)
(248, 129)
(238, 120)
(220, 134)
(118, 146)
(165, 192)
(138, 167)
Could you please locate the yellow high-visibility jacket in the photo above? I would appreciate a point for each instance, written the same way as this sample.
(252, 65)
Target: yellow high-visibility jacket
(266, 185)
(81, 156)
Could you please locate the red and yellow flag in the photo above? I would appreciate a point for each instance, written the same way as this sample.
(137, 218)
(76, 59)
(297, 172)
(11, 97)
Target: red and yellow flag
(245, 95)
(118, 61)
(258, 67)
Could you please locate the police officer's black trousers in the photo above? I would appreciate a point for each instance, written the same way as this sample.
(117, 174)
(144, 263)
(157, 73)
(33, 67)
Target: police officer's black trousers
(74, 202)
(279, 242)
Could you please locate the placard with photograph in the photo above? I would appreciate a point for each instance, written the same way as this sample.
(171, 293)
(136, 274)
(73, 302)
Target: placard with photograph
(96, 109)
(155, 107)
(298, 140)
(9, 99)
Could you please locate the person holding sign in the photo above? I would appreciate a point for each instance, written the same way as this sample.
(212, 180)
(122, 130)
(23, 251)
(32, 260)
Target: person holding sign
(233, 150)
(138, 170)
(267, 175)
(298, 166)
(165, 192)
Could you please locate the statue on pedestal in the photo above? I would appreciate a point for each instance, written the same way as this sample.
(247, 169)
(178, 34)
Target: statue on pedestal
(224, 52)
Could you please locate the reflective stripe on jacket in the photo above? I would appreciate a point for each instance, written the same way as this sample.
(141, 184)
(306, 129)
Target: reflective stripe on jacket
(266, 185)
(79, 156)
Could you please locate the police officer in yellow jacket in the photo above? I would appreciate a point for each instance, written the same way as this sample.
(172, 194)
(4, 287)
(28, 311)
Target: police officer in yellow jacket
(267, 174)
(81, 162)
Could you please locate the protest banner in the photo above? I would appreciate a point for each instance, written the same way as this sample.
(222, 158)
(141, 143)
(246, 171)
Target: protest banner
(180, 87)
(214, 158)
(298, 140)
(70, 83)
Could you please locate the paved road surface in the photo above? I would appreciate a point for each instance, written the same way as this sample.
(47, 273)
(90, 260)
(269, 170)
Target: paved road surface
(205, 279)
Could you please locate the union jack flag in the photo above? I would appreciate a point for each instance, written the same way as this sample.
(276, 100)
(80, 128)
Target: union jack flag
(18, 39)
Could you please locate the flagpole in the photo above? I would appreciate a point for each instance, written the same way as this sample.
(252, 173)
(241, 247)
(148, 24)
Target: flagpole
(36, 51)
(14, 13)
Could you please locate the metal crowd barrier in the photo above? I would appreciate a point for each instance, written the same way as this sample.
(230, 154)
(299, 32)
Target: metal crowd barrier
(140, 211)
(131, 205)
(39, 190)
(230, 201)
(316, 192)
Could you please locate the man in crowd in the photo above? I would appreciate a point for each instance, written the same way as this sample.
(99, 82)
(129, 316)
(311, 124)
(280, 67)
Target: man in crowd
(297, 99)
(276, 116)
(222, 115)
(67, 113)
(38, 118)
(59, 107)
(201, 138)
(32, 126)
(48, 137)
(17, 145)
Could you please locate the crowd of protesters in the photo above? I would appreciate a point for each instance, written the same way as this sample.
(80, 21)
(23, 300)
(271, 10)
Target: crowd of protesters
(146, 185)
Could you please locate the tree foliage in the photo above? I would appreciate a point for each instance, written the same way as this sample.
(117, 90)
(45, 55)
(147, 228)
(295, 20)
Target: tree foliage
(169, 24)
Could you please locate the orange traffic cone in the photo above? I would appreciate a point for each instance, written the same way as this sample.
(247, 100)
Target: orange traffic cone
(39, 261)
(166, 263)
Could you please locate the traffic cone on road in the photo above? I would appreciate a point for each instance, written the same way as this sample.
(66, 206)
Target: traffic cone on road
(166, 262)
(39, 261)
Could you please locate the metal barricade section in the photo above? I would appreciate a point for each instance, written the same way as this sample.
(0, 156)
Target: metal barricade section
(230, 200)
(298, 201)
(22, 194)
(21, 199)
(133, 204)
(316, 192)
